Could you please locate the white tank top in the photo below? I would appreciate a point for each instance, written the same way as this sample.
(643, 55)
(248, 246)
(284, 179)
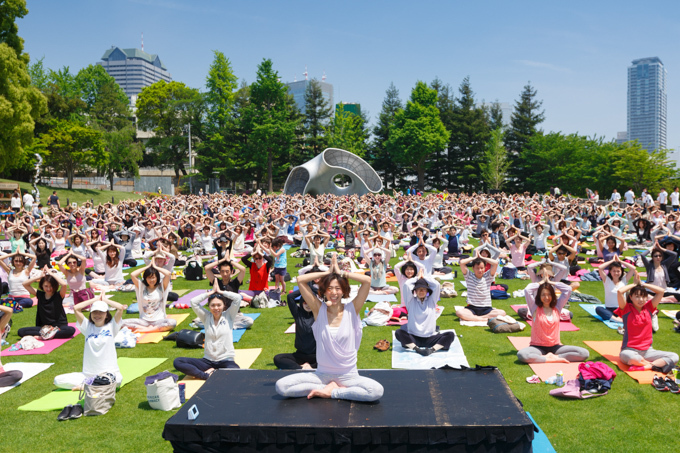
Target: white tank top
(16, 284)
(337, 354)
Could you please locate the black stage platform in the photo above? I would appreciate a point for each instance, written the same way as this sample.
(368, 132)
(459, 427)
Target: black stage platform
(421, 411)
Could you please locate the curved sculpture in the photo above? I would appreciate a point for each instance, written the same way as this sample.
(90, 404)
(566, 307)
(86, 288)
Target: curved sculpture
(317, 176)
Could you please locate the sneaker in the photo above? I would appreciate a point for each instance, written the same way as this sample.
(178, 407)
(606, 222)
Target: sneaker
(655, 322)
(672, 386)
(660, 384)
(76, 412)
(65, 413)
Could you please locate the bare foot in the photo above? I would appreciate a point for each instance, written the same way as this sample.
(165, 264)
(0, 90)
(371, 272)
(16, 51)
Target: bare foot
(552, 358)
(210, 371)
(323, 393)
(306, 366)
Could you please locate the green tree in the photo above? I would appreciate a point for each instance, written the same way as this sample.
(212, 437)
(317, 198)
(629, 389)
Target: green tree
(90, 82)
(20, 102)
(418, 131)
(523, 125)
(495, 116)
(270, 122)
(123, 153)
(347, 131)
(39, 75)
(73, 147)
(469, 135)
(495, 165)
(378, 154)
(167, 109)
(640, 168)
(219, 151)
(315, 121)
(440, 176)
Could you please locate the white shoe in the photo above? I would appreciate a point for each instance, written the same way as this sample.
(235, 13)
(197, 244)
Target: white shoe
(655, 322)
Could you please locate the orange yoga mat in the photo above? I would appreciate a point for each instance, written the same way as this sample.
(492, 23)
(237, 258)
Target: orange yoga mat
(610, 351)
(546, 370)
(156, 337)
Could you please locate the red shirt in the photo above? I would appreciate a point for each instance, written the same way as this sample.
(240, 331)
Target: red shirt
(259, 277)
(638, 334)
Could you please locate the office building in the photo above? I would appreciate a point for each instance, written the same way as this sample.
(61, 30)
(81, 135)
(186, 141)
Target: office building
(351, 107)
(298, 89)
(647, 103)
(134, 69)
(621, 137)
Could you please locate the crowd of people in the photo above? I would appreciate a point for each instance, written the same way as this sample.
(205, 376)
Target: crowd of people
(56, 250)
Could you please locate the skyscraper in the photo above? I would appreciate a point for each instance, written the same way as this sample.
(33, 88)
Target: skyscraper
(647, 103)
(297, 89)
(134, 69)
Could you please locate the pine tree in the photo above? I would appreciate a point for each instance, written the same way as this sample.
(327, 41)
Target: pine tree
(315, 120)
(379, 156)
(495, 164)
(438, 176)
(523, 125)
(469, 135)
(495, 116)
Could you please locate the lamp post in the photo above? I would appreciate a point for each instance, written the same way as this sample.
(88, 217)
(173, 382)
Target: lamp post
(191, 162)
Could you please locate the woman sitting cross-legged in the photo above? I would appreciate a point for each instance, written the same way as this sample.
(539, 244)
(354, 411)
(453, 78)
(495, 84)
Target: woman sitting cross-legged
(99, 330)
(218, 320)
(337, 330)
(50, 317)
(545, 309)
(421, 295)
(152, 294)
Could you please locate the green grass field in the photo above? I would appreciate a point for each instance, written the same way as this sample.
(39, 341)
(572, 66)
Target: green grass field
(632, 417)
(79, 196)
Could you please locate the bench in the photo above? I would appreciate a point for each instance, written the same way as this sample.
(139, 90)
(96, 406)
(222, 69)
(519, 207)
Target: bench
(7, 189)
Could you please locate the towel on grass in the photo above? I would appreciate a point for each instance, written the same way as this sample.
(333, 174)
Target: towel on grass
(29, 369)
(411, 360)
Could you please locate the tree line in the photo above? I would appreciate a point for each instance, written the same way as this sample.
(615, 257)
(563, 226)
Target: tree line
(438, 138)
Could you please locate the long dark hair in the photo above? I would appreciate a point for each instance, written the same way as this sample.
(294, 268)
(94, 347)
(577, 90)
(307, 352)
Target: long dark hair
(551, 290)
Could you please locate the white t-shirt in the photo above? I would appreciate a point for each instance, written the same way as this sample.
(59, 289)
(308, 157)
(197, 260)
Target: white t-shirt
(28, 200)
(15, 202)
(152, 304)
(663, 197)
(675, 198)
(630, 197)
(611, 299)
(99, 355)
(615, 196)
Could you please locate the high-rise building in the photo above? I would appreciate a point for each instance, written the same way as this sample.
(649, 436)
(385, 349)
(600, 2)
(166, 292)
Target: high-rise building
(134, 69)
(647, 103)
(351, 107)
(298, 89)
(621, 137)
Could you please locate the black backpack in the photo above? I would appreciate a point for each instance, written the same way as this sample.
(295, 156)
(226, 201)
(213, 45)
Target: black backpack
(193, 271)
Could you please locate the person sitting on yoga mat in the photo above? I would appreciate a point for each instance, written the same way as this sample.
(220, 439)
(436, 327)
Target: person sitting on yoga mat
(152, 294)
(545, 309)
(17, 276)
(227, 269)
(218, 320)
(7, 378)
(305, 355)
(405, 270)
(73, 267)
(50, 317)
(479, 288)
(612, 282)
(636, 311)
(420, 333)
(100, 330)
(337, 330)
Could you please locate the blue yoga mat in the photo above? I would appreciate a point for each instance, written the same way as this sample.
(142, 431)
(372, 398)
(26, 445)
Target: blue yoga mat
(238, 333)
(541, 444)
(590, 308)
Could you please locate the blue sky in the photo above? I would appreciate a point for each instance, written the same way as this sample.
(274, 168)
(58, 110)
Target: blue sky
(574, 53)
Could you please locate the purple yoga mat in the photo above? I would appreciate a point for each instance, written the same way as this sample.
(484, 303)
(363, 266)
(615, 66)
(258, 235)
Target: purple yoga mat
(50, 345)
(186, 299)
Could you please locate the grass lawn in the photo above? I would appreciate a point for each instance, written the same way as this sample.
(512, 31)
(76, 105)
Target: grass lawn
(632, 417)
(79, 196)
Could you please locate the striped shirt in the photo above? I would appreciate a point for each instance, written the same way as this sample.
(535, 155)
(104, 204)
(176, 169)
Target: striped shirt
(479, 289)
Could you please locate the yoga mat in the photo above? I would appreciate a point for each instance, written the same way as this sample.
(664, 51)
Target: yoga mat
(443, 277)
(29, 369)
(186, 299)
(391, 279)
(50, 345)
(670, 313)
(156, 337)
(546, 370)
(540, 444)
(180, 292)
(130, 368)
(191, 386)
(590, 308)
(610, 351)
(246, 357)
(381, 298)
(238, 333)
(397, 323)
(411, 360)
(565, 326)
(470, 323)
(290, 329)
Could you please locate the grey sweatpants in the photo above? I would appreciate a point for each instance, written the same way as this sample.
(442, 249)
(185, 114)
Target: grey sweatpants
(354, 387)
(536, 354)
(631, 356)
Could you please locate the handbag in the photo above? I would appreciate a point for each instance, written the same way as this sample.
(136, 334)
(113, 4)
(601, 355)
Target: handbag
(189, 339)
(98, 399)
(163, 394)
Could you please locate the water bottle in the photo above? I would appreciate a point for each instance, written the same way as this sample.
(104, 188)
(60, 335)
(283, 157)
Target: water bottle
(366, 312)
(551, 380)
(560, 379)
(182, 390)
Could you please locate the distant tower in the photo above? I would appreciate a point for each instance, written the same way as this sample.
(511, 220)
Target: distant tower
(323, 77)
(647, 103)
(305, 73)
(134, 69)
(142, 41)
(298, 88)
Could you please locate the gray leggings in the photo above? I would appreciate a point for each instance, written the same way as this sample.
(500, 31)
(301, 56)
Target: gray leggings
(631, 356)
(136, 323)
(355, 387)
(536, 354)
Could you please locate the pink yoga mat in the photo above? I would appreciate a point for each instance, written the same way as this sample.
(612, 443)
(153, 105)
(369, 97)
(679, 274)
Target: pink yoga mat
(565, 326)
(50, 345)
(546, 370)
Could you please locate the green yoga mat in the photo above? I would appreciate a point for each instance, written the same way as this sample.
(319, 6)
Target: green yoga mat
(130, 368)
